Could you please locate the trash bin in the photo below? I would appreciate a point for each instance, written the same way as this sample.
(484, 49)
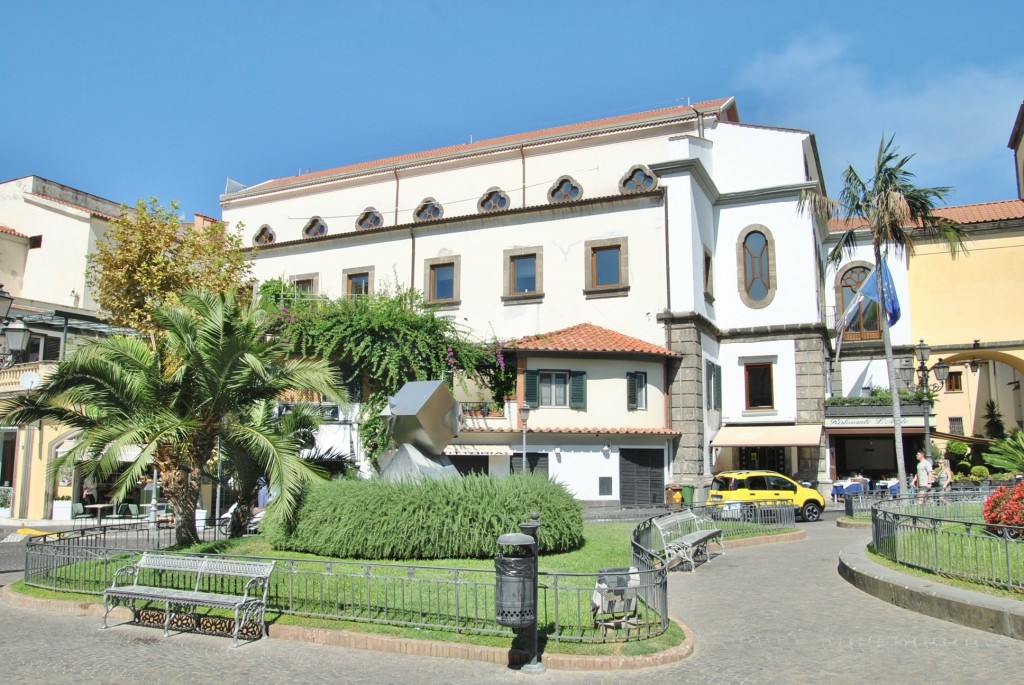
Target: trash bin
(688, 495)
(674, 495)
(514, 598)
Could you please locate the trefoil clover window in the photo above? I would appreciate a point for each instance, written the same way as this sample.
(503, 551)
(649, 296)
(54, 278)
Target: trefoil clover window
(429, 210)
(316, 228)
(369, 219)
(639, 179)
(264, 236)
(494, 200)
(565, 189)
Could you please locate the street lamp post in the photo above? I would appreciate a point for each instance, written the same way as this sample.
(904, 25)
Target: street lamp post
(941, 370)
(524, 414)
(16, 337)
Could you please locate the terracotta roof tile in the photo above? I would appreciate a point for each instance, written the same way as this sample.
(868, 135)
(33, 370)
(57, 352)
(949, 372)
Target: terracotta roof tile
(11, 231)
(586, 337)
(980, 213)
(555, 132)
(577, 430)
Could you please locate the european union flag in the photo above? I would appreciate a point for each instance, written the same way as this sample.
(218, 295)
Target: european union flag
(888, 301)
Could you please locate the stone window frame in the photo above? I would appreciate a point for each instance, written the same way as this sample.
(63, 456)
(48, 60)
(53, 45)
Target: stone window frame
(428, 274)
(628, 179)
(555, 188)
(841, 306)
(621, 289)
(365, 216)
(314, 282)
(313, 221)
(264, 230)
(509, 296)
(741, 267)
(424, 203)
(482, 207)
(347, 274)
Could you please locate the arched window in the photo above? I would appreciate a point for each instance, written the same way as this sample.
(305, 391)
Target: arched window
(428, 210)
(862, 320)
(494, 200)
(638, 179)
(370, 218)
(315, 228)
(264, 236)
(755, 253)
(566, 189)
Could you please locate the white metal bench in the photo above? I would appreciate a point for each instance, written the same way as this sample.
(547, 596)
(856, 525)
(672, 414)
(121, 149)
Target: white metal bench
(685, 536)
(183, 583)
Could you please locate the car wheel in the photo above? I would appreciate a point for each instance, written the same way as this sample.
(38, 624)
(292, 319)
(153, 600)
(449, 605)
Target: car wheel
(811, 512)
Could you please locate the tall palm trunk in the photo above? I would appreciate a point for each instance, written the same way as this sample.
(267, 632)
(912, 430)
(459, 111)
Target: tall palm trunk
(890, 366)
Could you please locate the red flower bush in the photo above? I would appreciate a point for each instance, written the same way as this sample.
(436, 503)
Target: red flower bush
(1005, 506)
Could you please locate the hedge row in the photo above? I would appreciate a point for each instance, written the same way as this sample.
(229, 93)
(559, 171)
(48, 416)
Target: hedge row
(431, 519)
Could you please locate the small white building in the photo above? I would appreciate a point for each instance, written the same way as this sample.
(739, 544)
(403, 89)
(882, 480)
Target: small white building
(678, 227)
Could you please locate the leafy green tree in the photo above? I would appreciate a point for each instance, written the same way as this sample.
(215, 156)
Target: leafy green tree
(892, 213)
(212, 360)
(1007, 454)
(148, 256)
(994, 427)
(380, 341)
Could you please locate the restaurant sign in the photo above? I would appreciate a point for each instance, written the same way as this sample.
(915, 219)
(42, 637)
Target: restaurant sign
(872, 422)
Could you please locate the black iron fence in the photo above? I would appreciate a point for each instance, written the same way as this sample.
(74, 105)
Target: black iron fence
(946, 533)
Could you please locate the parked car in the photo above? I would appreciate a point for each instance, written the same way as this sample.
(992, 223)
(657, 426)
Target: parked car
(755, 486)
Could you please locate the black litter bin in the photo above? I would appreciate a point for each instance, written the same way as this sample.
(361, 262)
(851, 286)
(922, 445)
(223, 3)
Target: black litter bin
(514, 605)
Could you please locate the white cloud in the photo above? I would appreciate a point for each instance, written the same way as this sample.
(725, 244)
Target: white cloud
(957, 123)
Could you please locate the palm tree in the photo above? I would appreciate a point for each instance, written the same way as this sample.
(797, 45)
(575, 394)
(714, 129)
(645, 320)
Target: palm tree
(213, 361)
(261, 442)
(893, 213)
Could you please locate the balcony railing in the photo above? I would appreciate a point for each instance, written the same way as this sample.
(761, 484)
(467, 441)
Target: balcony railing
(487, 415)
(11, 379)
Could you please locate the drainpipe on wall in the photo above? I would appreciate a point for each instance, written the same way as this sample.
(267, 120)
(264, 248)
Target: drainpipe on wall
(522, 158)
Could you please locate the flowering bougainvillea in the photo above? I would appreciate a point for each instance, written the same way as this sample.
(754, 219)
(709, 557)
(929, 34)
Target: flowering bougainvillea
(1005, 506)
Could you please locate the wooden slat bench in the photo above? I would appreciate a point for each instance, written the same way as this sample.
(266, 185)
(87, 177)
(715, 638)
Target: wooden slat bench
(685, 536)
(151, 577)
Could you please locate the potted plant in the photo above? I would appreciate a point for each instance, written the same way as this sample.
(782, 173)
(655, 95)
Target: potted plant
(62, 508)
(6, 496)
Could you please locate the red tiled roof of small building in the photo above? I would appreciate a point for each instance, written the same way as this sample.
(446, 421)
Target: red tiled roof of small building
(11, 231)
(983, 212)
(554, 132)
(588, 338)
(91, 212)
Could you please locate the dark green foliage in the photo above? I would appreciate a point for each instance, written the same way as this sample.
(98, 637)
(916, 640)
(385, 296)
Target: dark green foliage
(880, 397)
(994, 427)
(432, 519)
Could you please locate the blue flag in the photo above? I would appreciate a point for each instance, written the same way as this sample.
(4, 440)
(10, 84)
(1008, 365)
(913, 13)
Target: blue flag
(889, 301)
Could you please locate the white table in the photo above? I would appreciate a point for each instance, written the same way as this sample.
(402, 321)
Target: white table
(98, 509)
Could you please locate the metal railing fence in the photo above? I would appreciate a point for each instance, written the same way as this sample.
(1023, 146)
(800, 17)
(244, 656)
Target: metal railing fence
(946, 533)
(454, 599)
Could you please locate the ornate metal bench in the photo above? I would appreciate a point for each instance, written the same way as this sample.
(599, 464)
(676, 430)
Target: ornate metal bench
(183, 583)
(685, 536)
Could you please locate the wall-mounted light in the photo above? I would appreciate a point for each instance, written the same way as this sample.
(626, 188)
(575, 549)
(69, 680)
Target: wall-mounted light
(607, 449)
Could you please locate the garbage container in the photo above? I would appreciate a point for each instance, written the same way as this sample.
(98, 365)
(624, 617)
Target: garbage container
(674, 495)
(515, 604)
(688, 495)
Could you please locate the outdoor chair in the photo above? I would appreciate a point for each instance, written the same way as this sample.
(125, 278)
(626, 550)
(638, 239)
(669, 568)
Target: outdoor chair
(78, 512)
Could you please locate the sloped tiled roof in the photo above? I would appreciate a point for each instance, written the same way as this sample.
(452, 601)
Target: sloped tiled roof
(588, 338)
(91, 212)
(983, 212)
(552, 133)
(11, 231)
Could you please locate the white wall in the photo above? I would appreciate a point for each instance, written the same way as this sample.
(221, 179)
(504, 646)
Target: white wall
(780, 353)
(749, 157)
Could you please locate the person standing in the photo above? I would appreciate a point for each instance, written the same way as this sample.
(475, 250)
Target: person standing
(944, 479)
(923, 479)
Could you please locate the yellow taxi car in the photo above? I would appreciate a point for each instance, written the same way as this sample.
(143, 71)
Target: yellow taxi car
(759, 486)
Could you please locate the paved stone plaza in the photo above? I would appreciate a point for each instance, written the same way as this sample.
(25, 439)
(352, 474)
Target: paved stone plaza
(767, 614)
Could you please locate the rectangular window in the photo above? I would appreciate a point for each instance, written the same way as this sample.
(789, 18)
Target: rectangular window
(956, 425)
(523, 275)
(605, 266)
(636, 390)
(35, 242)
(303, 285)
(955, 381)
(358, 284)
(760, 394)
(554, 388)
(442, 282)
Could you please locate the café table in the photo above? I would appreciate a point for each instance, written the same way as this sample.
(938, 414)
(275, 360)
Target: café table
(98, 510)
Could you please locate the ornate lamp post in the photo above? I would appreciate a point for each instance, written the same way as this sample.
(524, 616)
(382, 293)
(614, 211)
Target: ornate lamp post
(17, 337)
(922, 385)
(524, 414)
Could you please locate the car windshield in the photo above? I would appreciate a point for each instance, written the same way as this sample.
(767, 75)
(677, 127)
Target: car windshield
(720, 483)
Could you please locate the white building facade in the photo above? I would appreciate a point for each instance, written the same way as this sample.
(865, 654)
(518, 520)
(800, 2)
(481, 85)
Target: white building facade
(678, 229)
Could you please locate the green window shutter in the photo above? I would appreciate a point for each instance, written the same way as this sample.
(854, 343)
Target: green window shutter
(531, 389)
(709, 385)
(577, 389)
(631, 402)
(718, 387)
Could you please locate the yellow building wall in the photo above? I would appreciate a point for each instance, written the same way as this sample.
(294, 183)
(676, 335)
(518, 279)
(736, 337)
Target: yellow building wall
(34, 450)
(977, 296)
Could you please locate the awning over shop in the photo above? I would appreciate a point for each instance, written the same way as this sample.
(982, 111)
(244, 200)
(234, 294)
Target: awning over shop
(962, 438)
(804, 435)
(477, 450)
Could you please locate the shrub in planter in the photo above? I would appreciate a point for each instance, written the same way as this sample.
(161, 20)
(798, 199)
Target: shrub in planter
(430, 519)
(1005, 506)
(979, 473)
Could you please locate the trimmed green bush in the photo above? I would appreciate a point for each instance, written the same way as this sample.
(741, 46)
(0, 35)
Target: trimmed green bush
(430, 519)
(979, 473)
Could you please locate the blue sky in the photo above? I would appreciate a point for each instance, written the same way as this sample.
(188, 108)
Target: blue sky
(138, 99)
